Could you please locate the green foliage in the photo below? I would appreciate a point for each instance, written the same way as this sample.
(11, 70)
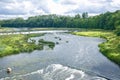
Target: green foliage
(107, 21)
(50, 44)
(77, 16)
(117, 31)
(13, 44)
(85, 15)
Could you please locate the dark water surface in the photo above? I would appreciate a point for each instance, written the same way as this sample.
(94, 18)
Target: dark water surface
(73, 58)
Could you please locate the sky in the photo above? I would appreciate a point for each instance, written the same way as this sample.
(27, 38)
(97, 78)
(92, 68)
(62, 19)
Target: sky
(26, 8)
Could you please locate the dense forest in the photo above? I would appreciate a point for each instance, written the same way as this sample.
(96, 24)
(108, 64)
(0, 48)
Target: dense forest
(107, 21)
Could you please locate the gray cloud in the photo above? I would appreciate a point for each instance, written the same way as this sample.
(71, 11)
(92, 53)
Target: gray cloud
(101, 7)
(9, 12)
(4, 8)
(27, 8)
(40, 5)
(4, 11)
(68, 2)
(21, 9)
(100, 1)
(90, 10)
(109, 0)
(6, 1)
(46, 10)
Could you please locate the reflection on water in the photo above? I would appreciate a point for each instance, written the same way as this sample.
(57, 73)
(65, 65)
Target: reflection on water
(74, 58)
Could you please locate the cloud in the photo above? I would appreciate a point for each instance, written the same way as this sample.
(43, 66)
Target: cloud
(68, 2)
(26, 8)
(5, 1)
(96, 6)
(17, 8)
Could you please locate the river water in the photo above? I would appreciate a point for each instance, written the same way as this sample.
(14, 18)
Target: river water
(73, 58)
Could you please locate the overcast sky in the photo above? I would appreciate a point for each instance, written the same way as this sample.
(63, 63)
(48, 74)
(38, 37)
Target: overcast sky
(26, 8)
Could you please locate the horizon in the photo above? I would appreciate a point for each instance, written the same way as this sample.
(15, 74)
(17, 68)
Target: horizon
(26, 8)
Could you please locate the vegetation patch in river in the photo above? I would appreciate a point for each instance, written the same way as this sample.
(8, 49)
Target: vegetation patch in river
(50, 44)
(110, 48)
(13, 44)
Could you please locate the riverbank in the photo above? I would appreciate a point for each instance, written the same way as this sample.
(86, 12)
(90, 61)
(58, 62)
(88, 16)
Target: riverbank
(110, 48)
(18, 43)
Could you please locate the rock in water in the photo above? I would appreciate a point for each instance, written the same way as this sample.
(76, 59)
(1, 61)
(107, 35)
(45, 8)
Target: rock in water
(57, 42)
(60, 39)
(66, 41)
(9, 70)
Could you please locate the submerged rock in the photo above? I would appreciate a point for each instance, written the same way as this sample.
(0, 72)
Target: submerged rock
(57, 42)
(67, 41)
(56, 37)
(60, 39)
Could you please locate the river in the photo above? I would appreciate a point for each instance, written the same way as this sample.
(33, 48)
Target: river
(73, 58)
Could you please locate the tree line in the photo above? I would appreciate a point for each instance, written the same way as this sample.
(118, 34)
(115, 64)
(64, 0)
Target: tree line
(107, 21)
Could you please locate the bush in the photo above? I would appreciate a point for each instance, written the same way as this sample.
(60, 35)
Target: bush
(117, 31)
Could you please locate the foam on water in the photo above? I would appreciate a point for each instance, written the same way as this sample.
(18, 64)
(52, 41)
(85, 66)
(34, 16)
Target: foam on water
(71, 77)
(55, 72)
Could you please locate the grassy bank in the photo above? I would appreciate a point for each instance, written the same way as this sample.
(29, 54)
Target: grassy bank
(13, 44)
(5, 29)
(110, 48)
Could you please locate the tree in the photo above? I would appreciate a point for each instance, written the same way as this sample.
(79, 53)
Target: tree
(117, 31)
(85, 15)
(108, 21)
(77, 16)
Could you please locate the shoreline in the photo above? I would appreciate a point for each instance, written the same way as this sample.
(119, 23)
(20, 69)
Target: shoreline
(33, 32)
(107, 48)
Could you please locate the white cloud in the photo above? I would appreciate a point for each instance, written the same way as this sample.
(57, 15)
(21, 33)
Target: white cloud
(115, 3)
(26, 8)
